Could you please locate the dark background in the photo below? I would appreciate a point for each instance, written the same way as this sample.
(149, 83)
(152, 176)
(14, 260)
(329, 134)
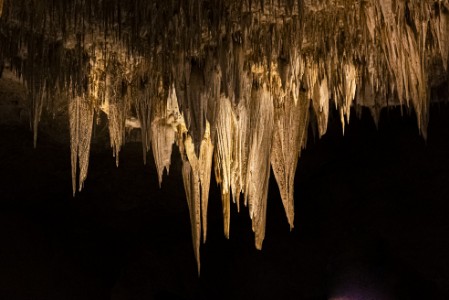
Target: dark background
(372, 220)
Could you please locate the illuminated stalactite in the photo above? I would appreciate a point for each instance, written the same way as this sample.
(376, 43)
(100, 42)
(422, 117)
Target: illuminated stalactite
(289, 137)
(81, 114)
(260, 124)
(196, 176)
(234, 84)
(163, 133)
(225, 126)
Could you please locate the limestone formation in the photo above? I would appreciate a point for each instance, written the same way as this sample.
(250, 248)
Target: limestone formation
(233, 83)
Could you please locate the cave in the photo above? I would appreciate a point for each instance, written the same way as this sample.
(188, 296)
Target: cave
(224, 149)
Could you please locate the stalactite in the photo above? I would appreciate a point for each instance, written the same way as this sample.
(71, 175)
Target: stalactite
(226, 124)
(289, 137)
(440, 28)
(320, 102)
(240, 152)
(318, 92)
(205, 166)
(346, 91)
(36, 98)
(163, 131)
(404, 47)
(261, 127)
(143, 107)
(192, 189)
(81, 114)
(196, 176)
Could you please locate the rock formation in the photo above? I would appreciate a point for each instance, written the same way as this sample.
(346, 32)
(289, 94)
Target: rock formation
(234, 84)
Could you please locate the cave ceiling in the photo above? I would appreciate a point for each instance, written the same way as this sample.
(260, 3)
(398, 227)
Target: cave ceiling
(234, 85)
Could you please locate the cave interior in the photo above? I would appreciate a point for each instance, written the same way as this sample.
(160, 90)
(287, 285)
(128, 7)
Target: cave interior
(205, 149)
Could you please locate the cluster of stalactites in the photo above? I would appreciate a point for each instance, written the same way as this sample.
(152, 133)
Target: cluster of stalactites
(234, 84)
